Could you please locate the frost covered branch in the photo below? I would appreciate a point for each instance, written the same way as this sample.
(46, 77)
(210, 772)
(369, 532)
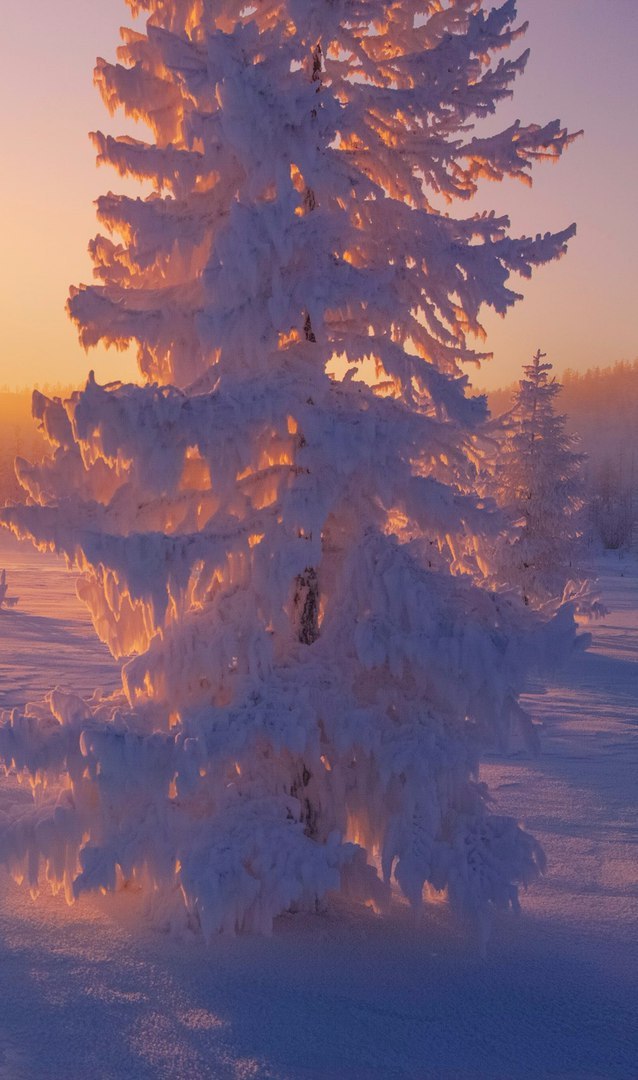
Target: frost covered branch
(292, 561)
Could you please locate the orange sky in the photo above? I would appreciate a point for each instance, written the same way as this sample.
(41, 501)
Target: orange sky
(582, 69)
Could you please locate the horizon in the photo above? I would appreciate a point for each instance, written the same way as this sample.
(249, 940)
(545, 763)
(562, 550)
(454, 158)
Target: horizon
(566, 374)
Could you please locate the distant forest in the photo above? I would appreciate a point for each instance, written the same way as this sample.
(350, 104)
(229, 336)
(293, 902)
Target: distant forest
(601, 406)
(19, 436)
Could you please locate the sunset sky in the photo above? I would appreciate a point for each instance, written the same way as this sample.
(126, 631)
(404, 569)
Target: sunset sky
(582, 69)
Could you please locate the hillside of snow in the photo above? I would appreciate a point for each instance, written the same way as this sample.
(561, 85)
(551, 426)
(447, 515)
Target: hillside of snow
(96, 990)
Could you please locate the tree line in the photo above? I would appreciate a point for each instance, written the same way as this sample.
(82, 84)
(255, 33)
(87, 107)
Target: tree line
(19, 436)
(601, 414)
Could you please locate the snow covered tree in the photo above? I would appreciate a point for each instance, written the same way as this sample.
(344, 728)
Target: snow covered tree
(538, 478)
(288, 557)
(5, 600)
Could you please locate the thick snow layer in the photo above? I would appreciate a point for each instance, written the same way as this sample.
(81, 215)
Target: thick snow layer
(92, 990)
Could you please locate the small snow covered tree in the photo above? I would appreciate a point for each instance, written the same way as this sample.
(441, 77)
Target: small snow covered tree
(5, 600)
(288, 557)
(538, 478)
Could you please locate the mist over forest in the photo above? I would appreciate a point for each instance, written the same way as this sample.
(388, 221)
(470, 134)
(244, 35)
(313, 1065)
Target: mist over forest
(601, 406)
(19, 437)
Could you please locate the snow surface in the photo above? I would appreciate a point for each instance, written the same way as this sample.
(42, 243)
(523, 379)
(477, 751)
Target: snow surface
(94, 991)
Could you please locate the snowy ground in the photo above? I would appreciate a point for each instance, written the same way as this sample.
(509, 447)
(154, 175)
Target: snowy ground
(92, 991)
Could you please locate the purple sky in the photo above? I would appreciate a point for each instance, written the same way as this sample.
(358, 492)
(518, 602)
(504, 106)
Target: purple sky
(583, 69)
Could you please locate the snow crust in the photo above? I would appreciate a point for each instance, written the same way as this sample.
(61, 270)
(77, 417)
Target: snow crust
(94, 990)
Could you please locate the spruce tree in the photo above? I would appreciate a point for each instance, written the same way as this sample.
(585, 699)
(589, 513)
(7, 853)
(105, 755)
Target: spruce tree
(539, 480)
(290, 559)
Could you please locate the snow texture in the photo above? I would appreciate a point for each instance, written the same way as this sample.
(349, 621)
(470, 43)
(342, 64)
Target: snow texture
(91, 990)
(291, 564)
